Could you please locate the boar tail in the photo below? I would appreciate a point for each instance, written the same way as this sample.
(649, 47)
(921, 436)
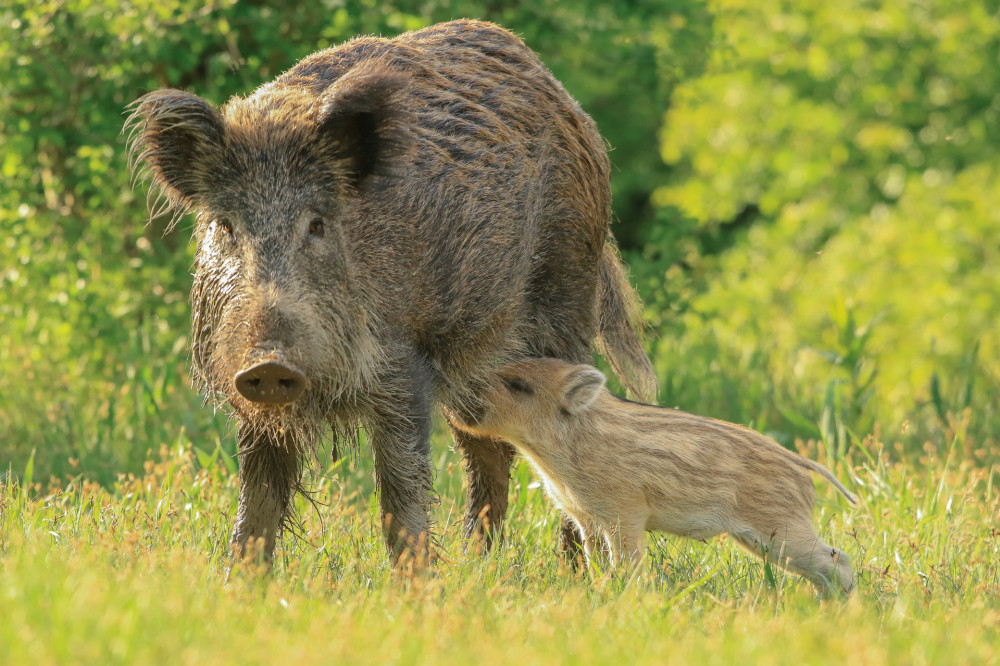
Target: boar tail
(827, 474)
(619, 335)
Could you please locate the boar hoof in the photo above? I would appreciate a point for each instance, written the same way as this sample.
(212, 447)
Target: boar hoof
(271, 383)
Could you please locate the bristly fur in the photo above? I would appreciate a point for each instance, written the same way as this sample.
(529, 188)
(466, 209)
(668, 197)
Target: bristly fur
(389, 220)
(170, 135)
(620, 319)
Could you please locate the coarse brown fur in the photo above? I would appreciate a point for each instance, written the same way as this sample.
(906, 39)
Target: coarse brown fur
(621, 468)
(384, 224)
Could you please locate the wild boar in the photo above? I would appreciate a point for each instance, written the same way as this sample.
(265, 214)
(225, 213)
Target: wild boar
(621, 468)
(377, 229)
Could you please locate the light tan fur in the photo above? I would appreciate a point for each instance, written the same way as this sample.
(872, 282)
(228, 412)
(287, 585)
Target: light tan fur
(621, 468)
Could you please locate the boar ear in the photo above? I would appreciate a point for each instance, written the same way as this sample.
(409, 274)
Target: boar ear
(177, 138)
(367, 122)
(582, 388)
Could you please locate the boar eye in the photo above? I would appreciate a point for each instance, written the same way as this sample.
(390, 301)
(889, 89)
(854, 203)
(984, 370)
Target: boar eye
(225, 226)
(517, 385)
(316, 227)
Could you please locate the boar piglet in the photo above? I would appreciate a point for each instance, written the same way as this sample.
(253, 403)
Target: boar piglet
(621, 468)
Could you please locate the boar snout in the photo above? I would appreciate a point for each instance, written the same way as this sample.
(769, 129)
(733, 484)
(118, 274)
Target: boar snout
(271, 383)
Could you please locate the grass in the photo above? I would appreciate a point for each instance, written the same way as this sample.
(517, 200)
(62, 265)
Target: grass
(135, 573)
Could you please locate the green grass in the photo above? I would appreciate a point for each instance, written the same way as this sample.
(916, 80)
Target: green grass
(136, 574)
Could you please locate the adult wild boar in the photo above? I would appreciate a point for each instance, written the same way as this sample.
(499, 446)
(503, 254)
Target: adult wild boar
(377, 229)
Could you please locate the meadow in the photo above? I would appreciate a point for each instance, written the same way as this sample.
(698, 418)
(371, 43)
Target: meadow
(136, 573)
(808, 201)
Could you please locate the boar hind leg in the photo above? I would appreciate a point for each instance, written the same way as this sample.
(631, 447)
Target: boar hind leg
(270, 472)
(571, 546)
(799, 550)
(488, 473)
(592, 542)
(400, 439)
(827, 567)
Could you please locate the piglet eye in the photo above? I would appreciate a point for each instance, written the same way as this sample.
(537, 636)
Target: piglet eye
(518, 385)
(316, 227)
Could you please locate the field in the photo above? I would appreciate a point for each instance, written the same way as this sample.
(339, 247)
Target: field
(807, 198)
(136, 573)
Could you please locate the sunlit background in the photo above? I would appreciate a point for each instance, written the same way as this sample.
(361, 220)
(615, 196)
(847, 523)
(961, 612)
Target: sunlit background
(808, 198)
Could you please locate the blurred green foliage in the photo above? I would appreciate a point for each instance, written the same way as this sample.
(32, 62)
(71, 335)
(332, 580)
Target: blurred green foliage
(835, 175)
(808, 198)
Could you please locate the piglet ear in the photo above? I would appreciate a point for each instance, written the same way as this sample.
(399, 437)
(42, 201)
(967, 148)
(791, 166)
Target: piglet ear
(582, 388)
(177, 138)
(366, 120)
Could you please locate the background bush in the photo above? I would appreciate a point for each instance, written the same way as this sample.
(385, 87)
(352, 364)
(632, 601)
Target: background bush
(808, 199)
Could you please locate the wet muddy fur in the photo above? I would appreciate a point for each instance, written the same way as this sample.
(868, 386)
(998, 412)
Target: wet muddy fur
(384, 224)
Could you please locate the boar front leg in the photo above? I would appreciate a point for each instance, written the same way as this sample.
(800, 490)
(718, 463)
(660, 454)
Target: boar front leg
(400, 436)
(626, 542)
(270, 471)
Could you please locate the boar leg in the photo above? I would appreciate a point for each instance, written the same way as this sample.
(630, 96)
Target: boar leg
(400, 440)
(626, 542)
(591, 540)
(571, 541)
(270, 471)
(488, 473)
(827, 567)
(796, 548)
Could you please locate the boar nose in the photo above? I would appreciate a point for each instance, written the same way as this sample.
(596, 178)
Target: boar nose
(271, 383)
